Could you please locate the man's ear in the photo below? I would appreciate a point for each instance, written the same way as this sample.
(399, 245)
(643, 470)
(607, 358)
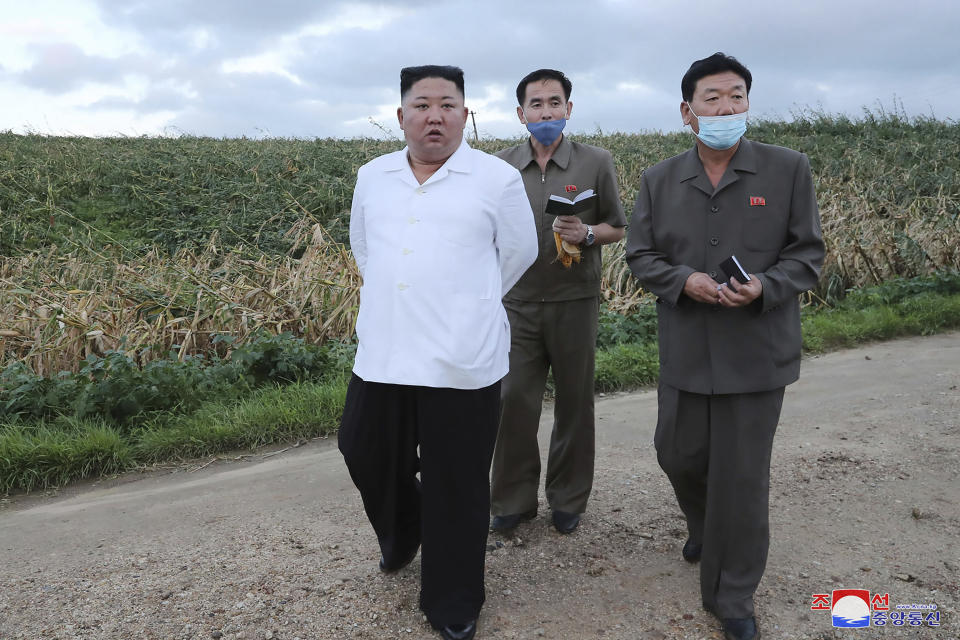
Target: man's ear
(685, 113)
(569, 108)
(400, 117)
(520, 115)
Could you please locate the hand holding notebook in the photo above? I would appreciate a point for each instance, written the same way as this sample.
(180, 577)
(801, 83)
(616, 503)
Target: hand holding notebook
(731, 268)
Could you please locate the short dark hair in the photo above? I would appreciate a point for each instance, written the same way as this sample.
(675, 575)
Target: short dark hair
(717, 63)
(409, 76)
(540, 75)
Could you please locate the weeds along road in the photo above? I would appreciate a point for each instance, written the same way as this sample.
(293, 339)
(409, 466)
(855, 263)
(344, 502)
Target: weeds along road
(864, 494)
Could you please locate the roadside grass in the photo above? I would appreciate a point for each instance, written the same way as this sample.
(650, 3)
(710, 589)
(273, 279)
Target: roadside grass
(631, 365)
(51, 452)
(924, 314)
(44, 455)
(275, 414)
(899, 307)
(626, 366)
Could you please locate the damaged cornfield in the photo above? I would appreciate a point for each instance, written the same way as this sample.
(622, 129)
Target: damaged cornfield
(164, 243)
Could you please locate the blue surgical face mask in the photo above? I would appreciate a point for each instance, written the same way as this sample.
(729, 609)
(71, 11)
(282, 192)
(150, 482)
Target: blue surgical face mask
(546, 131)
(721, 132)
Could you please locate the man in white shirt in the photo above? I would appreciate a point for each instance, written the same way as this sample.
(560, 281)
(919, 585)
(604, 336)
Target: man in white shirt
(440, 233)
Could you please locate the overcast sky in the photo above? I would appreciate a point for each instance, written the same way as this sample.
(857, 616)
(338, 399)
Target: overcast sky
(330, 69)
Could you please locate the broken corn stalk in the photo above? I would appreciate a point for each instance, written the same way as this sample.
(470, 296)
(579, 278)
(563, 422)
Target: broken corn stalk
(567, 253)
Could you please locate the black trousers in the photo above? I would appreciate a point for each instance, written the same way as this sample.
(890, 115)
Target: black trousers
(715, 449)
(446, 510)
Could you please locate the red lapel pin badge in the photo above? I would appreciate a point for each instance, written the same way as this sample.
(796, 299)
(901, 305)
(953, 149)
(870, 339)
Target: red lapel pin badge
(570, 187)
(758, 201)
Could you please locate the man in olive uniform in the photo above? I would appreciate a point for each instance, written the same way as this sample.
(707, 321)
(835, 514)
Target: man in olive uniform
(553, 312)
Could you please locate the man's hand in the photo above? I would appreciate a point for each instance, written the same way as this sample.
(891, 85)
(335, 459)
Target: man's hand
(570, 228)
(702, 288)
(746, 292)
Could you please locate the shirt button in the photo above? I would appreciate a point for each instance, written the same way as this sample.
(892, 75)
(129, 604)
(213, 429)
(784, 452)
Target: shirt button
(402, 286)
(714, 209)
(714, 241)
(406, 251)
(421, 191)
(412, 220)
(713, 274)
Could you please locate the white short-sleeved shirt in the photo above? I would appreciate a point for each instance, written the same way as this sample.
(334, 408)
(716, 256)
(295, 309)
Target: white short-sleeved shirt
(436, 259)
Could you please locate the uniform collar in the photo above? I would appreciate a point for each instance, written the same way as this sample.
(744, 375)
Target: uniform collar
(745, 159)
(560, 157)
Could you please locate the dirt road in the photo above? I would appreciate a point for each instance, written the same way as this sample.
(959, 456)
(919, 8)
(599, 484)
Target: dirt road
(865, 495)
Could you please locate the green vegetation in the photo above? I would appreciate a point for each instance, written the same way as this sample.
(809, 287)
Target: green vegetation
(626, 366)
(888, 186)
(113, 388)
(279, 389)
(167, 298)
(274, 414)
(172, 193)
(51, 454)
(900, 307)
(112, 415)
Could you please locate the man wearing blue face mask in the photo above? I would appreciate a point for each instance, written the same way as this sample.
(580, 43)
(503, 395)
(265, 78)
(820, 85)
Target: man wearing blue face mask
(728, 345)
(553, 312)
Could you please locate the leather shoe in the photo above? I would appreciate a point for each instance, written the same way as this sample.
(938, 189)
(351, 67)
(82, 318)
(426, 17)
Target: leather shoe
(507, 523)
(463, 631)
(692, 550)
(741, 629)
(393, 567)
(565, 522)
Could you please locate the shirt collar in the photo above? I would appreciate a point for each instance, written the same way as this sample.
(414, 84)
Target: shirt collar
(560, 157)
(459, 162)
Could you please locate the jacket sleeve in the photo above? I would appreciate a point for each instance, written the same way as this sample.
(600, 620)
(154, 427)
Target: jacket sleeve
(650, 265)
(798, 266)
(516, 235)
